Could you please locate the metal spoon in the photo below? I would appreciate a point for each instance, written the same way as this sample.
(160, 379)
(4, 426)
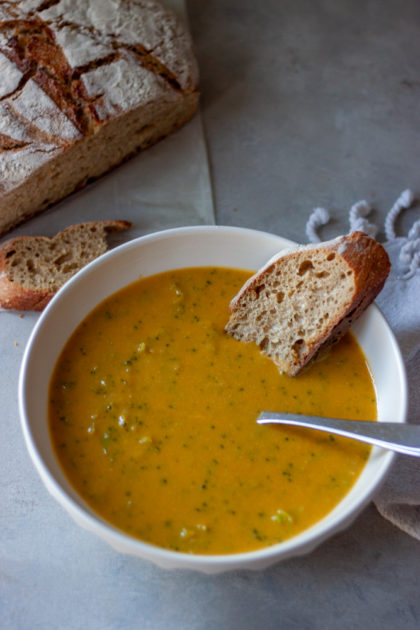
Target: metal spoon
(394, 436)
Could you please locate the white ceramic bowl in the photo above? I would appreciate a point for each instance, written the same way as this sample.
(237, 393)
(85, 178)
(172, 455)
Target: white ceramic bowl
(171, 249)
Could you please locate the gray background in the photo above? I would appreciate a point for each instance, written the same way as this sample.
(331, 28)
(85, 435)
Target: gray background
(309, 103)
(304, 104)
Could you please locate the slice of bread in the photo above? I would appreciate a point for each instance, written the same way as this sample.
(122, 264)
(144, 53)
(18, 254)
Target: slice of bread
(33, 268)
(304, 299)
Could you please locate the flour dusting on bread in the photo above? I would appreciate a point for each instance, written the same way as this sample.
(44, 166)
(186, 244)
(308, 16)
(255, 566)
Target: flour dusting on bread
(84, 85)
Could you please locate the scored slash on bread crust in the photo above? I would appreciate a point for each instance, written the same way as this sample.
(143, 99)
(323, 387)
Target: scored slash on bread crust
(304, 299)
(33, 268)
(85, 85)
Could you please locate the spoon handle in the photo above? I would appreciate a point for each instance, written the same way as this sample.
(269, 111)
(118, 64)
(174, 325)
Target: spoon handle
(394, 436)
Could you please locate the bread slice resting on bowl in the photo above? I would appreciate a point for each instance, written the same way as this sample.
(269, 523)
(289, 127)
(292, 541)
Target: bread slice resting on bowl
(304, 299)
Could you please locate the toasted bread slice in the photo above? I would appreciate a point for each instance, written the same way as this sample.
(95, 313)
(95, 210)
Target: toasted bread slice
(33, 268)
(303, 299)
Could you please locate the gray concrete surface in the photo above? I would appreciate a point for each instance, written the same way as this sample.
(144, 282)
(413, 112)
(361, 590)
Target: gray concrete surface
(309, 103)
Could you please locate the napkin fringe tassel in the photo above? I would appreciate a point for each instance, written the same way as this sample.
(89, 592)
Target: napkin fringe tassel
(410, 250)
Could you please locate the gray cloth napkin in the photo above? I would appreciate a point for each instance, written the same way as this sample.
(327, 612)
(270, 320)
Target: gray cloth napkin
(399, 498)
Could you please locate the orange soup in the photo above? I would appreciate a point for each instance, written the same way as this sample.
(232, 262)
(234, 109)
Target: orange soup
(153, 411)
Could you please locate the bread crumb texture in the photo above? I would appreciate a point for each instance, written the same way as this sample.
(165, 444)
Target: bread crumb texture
(33, 268)
(304, 299)
(83, 86)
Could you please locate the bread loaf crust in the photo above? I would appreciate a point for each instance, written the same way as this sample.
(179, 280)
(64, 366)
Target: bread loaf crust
(41, 285)
(83, 87)
(362, 260)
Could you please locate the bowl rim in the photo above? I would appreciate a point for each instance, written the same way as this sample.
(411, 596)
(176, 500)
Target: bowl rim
(302, 543)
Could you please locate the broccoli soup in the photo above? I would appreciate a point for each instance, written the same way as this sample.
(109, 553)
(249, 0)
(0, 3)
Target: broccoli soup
(152, 413)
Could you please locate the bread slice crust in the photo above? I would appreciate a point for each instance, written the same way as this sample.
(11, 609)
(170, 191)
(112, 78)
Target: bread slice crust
(302, 300)
(33, 268)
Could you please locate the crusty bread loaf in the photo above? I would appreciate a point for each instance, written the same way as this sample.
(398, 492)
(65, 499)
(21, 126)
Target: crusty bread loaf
(84, 84)
(33, 268)
(306, 298)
